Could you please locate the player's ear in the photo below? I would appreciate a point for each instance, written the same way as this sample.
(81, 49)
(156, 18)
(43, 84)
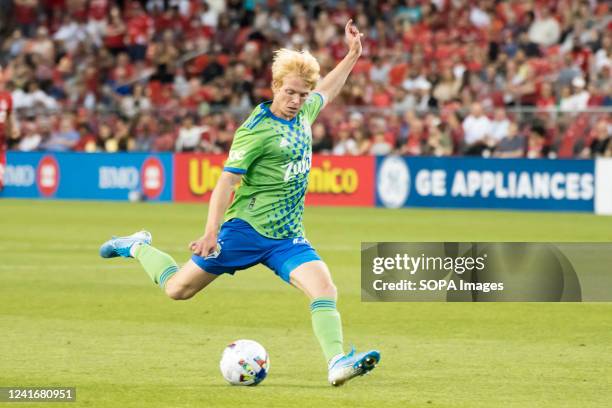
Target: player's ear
(276, 85)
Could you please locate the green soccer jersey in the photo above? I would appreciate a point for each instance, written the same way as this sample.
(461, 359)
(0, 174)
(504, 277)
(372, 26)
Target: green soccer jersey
(274, 156)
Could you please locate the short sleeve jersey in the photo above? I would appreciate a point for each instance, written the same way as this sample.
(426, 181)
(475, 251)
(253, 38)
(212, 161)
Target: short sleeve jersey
(274, 155)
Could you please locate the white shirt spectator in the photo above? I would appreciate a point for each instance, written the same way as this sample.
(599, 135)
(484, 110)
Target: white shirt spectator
(346, 147)
(209, 18)
(71, 34)
(602, 60)
(188, 138)
(29, 142)
(476, 128)
(499, 129)
(29, 100)
(545, 31)
(414, 84)
(380, 73)
(479, 18)
(576, 102)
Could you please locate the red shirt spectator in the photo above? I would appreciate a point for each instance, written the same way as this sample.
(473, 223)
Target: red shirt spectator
(98, 9)
(139, 28)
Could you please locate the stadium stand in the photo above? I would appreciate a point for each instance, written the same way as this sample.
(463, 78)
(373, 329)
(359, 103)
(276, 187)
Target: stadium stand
(437, 77)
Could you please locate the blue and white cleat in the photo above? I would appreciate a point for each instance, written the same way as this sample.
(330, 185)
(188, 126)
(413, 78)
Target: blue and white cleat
(352, 365)
(120, 246)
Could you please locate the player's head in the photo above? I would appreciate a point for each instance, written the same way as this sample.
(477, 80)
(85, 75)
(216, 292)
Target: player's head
(294, 75)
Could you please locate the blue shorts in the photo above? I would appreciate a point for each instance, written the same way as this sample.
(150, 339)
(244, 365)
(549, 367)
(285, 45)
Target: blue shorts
(243, 247)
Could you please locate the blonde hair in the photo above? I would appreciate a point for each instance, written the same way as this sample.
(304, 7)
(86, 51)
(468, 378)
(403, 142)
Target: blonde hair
(301, 63)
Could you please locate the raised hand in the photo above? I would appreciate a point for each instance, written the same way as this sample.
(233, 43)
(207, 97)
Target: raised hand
(352, 37)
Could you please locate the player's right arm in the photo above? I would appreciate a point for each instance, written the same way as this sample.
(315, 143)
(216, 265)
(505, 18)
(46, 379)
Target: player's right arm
(246, 147)
(219, 201)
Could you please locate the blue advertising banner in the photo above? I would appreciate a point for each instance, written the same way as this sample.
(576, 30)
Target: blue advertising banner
(525, 184)
(91, 176)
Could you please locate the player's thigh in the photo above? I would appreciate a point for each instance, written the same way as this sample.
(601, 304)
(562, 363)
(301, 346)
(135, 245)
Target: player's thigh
(314, 279)
(190, 278)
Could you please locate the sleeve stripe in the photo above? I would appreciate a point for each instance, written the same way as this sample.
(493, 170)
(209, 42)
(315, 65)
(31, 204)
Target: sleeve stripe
(320, 96)
(234, 170)
(256, 120)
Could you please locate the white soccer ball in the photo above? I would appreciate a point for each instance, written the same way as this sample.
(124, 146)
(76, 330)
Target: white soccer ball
(244, 362)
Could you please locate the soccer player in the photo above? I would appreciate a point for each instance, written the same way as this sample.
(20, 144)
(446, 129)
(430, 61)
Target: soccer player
(269, 161)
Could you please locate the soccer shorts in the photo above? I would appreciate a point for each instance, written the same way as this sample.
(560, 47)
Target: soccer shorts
(241, 247)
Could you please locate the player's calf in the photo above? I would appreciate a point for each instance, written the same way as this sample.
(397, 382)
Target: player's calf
(179, 290)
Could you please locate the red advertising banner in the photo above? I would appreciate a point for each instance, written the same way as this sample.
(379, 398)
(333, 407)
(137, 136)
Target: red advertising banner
(334, 180)
(341, 181)
(195, 175)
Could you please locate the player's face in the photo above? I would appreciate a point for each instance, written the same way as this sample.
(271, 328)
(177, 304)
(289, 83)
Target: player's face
(290, 96)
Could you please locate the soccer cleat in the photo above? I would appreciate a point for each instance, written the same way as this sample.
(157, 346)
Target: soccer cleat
(352, 365)
(120, 246)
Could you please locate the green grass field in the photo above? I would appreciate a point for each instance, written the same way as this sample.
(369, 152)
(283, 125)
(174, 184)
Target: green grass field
(70, 318)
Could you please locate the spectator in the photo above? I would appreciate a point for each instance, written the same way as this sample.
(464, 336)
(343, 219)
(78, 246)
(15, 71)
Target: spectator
(439, 142)
(114, 33)
(379, 72)
(380, 146)
(321, 141)
(536, 143)
(189, 135)
(33, 97)
(512, 145)
(447, 87)
(416, 138)
(65, 138)
(364, 142)
(499, 126)
(345, 145)
(87, 140)
(600, 144)
(545, 29)
(30, 137)
(70, 34)
(136, 103)
(578, 99)
(477, 130)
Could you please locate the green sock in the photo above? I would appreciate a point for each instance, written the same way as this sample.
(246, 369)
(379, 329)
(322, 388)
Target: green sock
(327, 326)
(157, 264)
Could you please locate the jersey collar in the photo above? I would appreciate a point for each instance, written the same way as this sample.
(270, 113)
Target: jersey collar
(266, 107)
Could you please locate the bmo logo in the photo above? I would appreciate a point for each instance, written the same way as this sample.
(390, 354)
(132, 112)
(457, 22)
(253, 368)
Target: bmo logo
(47, 176)
(152, 177)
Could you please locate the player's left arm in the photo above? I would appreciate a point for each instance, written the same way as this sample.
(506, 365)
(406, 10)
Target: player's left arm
(333, 82)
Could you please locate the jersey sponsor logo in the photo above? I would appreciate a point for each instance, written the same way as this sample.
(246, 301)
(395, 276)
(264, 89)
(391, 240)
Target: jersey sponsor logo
(296, 168)
(47, 176)
(284, 142)
(152, 176)
(235, 155)
(300, 240)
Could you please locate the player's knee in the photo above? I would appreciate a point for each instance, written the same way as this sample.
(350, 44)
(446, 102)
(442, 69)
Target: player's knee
(178, 291)
(328, 290)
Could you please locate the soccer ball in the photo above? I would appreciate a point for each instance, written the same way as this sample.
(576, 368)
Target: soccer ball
(244, 362)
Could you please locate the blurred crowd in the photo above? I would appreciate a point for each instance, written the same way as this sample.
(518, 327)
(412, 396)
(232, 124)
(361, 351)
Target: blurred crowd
(515, 78)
